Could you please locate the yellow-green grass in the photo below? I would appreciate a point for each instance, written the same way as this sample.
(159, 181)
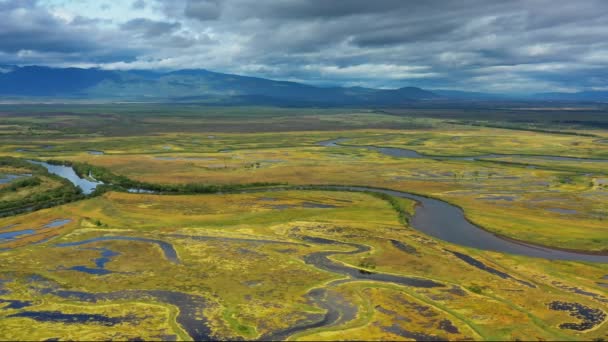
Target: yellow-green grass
(255, 289)
(153, 323)
(454, 140)
(46, 184)
(471, 185)
(467, 141)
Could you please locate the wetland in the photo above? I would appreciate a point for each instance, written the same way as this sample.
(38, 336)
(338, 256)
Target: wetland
(422, 229)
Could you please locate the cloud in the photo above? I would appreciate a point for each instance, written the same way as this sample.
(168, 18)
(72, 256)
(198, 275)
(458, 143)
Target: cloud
(26, 28)
(138, 5)
(514, 46)
(150, 28)
(315, 9)
(202, 9)
(389, 71)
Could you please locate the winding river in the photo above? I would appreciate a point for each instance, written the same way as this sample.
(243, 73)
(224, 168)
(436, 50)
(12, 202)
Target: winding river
(406, 153)
(67, 172)
(432, 216)
(435, 218)
(447, 222)
(168, 250)
(190, 306)
(322, 261)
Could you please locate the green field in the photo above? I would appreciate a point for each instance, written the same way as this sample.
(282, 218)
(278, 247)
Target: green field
(204, 260)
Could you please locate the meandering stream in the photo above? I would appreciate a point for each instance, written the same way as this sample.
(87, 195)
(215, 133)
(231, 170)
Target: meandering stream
(168, 250)
(432, 217)
(87, 186)
(406, 153)
(447, 222)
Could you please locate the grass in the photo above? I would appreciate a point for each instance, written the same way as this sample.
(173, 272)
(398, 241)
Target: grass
(294, 158)
(260, 288)
(470, 185)
(471, 141)
(254, 289)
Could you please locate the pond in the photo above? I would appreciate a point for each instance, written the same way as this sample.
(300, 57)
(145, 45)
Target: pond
(167, 248)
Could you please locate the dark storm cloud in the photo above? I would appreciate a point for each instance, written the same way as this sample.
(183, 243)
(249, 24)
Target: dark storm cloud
(24, 27)
(150, 28)
(202, 9)
(527, 43)
(515, 46)
(398, 34)
(313, 9)
(33, 34)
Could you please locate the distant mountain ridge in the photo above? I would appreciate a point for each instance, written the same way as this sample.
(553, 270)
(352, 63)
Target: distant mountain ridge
(195, 85)
(204, 86)
(470, 95)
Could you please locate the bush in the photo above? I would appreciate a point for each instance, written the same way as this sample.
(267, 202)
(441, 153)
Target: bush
(475, 289)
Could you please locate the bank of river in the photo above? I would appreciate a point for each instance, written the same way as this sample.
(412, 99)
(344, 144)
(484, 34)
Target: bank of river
(168, 250)
(406, 153)
(432, 217)
(67, 172)
(448, 222)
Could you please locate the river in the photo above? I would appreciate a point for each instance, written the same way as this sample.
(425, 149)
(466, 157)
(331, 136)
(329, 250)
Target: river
(433, 217)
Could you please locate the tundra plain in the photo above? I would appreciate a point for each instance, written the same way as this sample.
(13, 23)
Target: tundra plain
(240, 223)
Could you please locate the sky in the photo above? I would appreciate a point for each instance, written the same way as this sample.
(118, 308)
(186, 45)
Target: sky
(473, 45)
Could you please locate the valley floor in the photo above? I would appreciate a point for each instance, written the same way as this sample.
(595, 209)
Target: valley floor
(300, 264)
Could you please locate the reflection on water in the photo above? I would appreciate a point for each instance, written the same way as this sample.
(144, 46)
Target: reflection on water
(68, 173)
(15, 234)
(447, 222)
(57, 223)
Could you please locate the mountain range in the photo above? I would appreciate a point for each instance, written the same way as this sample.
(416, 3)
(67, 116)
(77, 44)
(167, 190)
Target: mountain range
(203, 86)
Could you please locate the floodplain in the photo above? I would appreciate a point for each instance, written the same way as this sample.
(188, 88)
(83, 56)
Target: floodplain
(234, 230)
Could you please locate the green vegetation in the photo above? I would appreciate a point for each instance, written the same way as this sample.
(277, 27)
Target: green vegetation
(248, 240)
(22, 183)
(40, 190)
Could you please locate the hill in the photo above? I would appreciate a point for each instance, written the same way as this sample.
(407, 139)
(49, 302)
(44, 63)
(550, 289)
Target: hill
(189, 85)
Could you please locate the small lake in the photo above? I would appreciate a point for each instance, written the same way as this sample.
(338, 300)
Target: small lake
(167, 158)
(13, 235)
(16, 234)
(141, 191)
(67, 172)
(57, 223)
(57, 316)
(563, 211)
(105, 257)
(167, 248)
